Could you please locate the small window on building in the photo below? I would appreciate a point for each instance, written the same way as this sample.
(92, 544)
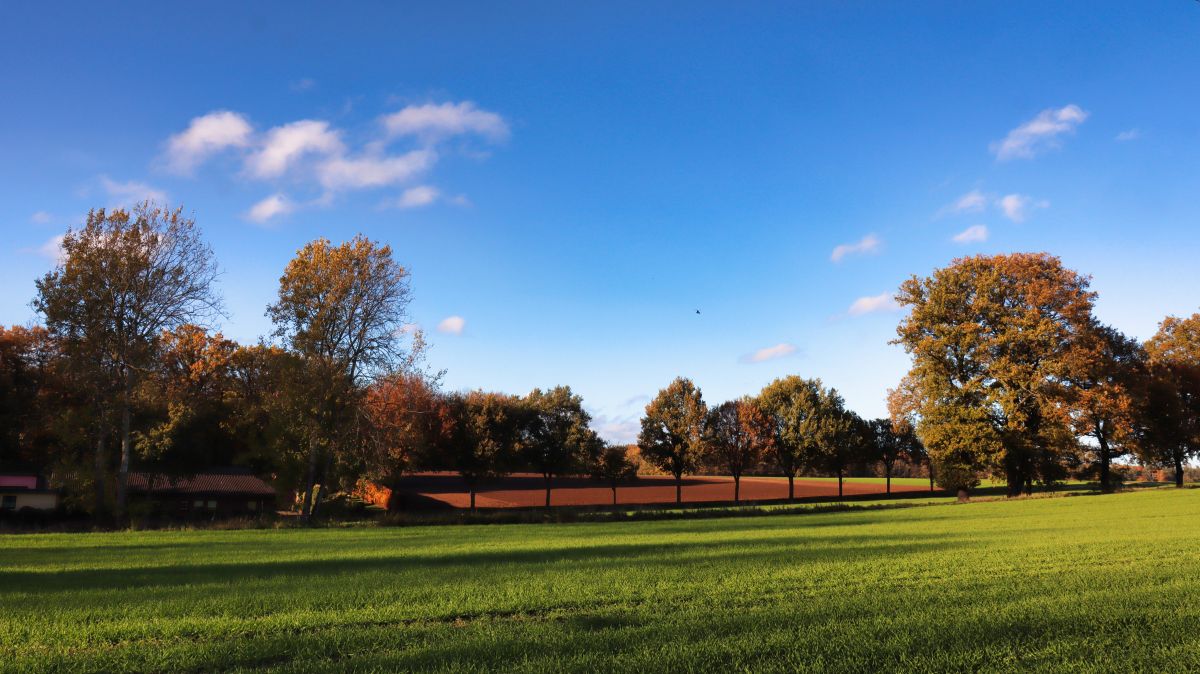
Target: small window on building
(9, 502)
(252, 505)
(212, 505)
(198, 504)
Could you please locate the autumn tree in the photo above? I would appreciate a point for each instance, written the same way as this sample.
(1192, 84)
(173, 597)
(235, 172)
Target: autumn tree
(554, 434)
(1171, 413)
(188, 387)
(904, 404)
(737, 437)
(478, 436)
(991, 338)
(402, 409)
(1101, 394)
(794, 409)
(340, 309)
(672, 435)
(125, 276)
(613, 466)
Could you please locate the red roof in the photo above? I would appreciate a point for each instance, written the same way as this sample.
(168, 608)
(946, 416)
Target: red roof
(200, 483)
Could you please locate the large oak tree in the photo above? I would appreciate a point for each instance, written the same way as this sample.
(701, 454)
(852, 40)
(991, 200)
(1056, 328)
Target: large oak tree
(991, 340)
(124, 277)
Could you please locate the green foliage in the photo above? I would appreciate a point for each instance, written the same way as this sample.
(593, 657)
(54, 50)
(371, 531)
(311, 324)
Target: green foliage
(672, 435)
(1063, 584)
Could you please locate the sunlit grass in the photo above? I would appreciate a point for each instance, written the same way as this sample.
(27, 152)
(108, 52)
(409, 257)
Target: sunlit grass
(1090, 583)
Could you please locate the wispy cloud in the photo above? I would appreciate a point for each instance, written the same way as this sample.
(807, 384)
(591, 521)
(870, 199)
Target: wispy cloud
(205, 136)
(285, 145)
(1128, 135)
(416, 197)
(1040, 133)
(873, 304)
(128, 193)
(311, 154)
(868, 244)
(433, 122)
(52, 249)
(619, 429)
(972, 234)
(271, 207)
(971, 202)
(341, 173)
(303, 84)
(1016, 206)
(781, 350)
(452, 325)
(41, 218)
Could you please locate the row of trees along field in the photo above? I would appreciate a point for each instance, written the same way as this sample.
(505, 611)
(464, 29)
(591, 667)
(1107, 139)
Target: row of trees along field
(1012, 377)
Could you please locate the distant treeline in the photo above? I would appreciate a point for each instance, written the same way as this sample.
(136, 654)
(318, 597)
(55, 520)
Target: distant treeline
(1012, 377)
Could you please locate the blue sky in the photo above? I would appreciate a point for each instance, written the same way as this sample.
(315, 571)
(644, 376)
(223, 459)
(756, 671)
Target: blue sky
(573, 183)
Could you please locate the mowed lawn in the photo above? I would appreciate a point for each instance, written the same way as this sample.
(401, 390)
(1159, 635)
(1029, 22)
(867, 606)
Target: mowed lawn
(1085, 584)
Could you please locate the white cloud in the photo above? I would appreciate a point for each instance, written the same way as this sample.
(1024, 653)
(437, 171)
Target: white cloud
(53, 249)
(1039, 133)
(1016, 206)
(452, 325)
(206, 135)
(1128, 135)
(41, 218)
(971, 202)
(872, 304)
(972, 234)
(303, 84)
(770, 353)
(345, 173)
(432, 123)
(285, 145)
(272, 206)
(131, 192)
(869, 244)
(416, 197)
(621, 429)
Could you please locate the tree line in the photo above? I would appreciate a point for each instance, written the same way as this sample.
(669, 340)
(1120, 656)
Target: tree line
(1012, 377)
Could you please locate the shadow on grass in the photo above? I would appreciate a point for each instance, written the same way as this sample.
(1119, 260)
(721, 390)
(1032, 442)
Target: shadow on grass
(797, 548)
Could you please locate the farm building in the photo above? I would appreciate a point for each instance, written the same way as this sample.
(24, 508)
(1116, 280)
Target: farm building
(22, 490)
(219, 493)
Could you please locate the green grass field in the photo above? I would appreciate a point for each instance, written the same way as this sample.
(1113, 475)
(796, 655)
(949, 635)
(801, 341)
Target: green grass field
(1085, 584)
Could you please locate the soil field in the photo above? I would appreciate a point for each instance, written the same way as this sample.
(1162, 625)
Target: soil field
(443, 490)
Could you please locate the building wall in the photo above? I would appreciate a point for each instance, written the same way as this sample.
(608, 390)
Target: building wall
(19, 481)
(23, 499)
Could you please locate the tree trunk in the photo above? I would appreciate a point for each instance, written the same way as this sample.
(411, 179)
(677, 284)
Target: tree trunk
(791, 487)
(679, 489)
(1105, 479)
(839, 482)
(888, 474)
(931, 485)
(316, 503)
(614, 488)
(100, 477)
(737, 488)
(472, 490)
(1179, 469)
(126, 450)
(310, 481)
(963, 495)
(546, 476)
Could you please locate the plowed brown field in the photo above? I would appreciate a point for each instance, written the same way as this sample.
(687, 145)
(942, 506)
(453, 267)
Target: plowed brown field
(523, 491)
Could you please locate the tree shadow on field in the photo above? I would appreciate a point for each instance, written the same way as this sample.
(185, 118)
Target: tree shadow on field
(601, 558)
